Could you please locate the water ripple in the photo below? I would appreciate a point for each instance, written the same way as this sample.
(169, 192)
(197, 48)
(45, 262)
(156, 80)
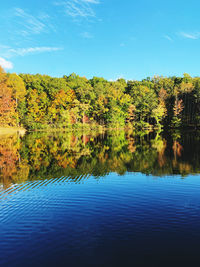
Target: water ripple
(54, 220)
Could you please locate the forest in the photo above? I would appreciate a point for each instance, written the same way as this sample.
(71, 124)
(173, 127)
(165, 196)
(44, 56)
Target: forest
(43, 102)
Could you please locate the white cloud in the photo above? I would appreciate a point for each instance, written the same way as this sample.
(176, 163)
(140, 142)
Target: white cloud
(193, 36)
(86, 35)
(29, 23)
(4, 47)
(78, 8)
(91, 1)
(168, 38)
(31, 50)
(5, 64)
(9, 52)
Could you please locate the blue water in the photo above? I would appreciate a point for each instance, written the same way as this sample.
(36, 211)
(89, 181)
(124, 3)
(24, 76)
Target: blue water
(128, 220)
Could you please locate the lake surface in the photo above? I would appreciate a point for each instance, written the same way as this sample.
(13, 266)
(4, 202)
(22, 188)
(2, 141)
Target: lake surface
(112, 199)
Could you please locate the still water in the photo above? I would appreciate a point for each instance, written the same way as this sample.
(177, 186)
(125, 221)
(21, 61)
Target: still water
(112, 199)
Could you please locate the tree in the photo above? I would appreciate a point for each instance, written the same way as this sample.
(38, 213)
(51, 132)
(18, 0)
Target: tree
(8, 115)
(18, 88)
(145, 101)
(58, 111)
(16, 83)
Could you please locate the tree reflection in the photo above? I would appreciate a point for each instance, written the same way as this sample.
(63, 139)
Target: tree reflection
(13, 168)
(80, 155)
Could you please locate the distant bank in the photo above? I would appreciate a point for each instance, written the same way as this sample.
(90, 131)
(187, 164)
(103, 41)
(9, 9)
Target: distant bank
(11, 130)
(40, 102)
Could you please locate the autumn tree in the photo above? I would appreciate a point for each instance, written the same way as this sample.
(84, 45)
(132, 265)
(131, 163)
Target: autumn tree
(17, 86)
(8, 115)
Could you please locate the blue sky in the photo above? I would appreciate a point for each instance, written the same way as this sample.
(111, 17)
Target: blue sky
(106, 38)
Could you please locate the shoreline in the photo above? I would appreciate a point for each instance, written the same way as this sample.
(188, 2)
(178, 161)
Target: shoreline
(21, 131)
(12, 130)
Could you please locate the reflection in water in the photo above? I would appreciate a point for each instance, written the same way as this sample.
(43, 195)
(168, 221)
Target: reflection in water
(51, 214)
(49, 155)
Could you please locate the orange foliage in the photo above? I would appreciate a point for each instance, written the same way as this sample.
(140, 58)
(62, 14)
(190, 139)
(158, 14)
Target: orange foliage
(8, 157)
(8, 113)
(178, 107)
(177, 148)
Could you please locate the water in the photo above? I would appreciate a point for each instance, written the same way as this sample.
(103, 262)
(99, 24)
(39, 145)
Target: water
(99, 200)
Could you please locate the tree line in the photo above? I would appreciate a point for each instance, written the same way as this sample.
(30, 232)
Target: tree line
(41, 102)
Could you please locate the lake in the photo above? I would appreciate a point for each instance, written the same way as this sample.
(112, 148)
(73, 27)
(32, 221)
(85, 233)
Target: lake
(108, 199)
